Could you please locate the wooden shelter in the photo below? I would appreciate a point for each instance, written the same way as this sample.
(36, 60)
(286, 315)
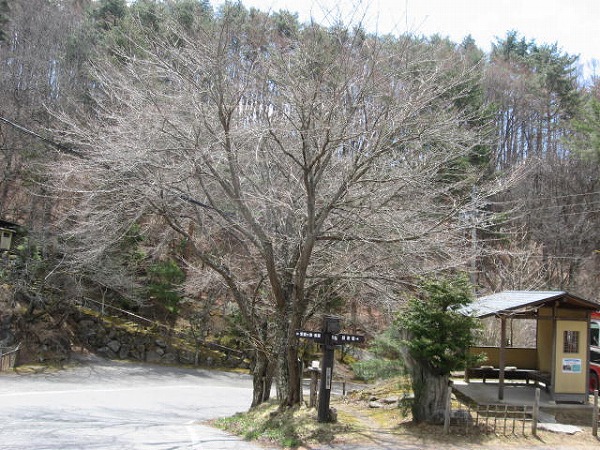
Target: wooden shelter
(7, 231)
(560, 357)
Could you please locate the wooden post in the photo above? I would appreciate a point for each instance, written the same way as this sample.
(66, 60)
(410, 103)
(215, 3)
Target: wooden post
(314, 383)
(536, 412)
(300, 380)
(502, 357)
(448, 411)
(328, 338)
(595, 415)
(331, 326)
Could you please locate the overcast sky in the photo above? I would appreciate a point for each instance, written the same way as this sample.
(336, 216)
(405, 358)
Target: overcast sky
(573, 24)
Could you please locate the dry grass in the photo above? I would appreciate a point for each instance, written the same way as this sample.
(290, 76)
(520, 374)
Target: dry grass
(387, 427)
(289, 428)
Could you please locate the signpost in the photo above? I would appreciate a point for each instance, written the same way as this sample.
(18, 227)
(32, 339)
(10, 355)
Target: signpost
(328, 337)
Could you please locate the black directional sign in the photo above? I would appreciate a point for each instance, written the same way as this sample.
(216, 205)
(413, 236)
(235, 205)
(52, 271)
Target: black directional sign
(329, 337)
(347, 338)
(315, 335)
(336, 339)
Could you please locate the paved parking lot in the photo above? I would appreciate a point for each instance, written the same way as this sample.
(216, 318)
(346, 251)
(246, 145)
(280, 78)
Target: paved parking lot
(116, 405)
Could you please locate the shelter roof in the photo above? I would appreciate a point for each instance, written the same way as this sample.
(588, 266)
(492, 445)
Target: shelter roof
(8, 225)
(513, 302)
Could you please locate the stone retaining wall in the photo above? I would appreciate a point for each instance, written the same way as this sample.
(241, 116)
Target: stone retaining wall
(116, 342)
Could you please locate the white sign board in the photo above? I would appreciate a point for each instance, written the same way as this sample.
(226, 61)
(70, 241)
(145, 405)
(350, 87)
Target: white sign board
(571, 365)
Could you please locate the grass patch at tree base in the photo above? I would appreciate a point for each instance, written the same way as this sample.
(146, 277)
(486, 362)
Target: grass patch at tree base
(288, 428)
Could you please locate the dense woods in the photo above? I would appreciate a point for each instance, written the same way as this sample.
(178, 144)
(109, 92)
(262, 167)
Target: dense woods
(187, 162)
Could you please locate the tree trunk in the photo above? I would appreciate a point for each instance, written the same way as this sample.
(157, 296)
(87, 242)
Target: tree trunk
(288, 366)
(430, 392)
(294, 388)
(262, 379)
(294, 376)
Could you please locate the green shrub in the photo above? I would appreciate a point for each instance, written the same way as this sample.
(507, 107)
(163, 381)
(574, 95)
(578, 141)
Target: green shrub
(164, 280)
(374, 369)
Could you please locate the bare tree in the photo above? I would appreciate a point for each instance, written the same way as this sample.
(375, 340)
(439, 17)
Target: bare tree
(555, 205)
(303, 158)
(34, 36)
(34, 73)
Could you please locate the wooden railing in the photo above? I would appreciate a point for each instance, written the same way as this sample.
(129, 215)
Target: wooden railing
(499, 419)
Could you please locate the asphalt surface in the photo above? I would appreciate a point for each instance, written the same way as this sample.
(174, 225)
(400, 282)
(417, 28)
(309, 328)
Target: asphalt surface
(107, 405)
(103, 404)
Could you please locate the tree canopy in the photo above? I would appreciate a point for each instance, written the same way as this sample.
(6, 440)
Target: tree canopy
(297, 163)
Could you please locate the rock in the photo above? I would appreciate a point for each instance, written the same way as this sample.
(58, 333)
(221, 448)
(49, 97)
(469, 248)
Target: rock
(169, 358)
(152, 356)
(390, 400)
(160, 343)
(101, 333)
(107, 352)
(333, 415)
(6, 338)
(114, 345)
(138, 353)
(185, 357)
(375, 404)
(87, 327)
(460, 416)
(86, 323)
(559, 428)
(124, 351)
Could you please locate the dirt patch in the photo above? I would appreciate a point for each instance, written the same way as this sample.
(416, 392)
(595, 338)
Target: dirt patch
(390, 426)
(370, 419)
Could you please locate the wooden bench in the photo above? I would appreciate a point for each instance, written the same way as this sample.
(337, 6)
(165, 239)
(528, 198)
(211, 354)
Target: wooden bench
(484, 373)
(540, 377)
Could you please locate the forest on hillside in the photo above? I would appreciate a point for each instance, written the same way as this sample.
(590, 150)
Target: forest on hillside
(186, 162)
